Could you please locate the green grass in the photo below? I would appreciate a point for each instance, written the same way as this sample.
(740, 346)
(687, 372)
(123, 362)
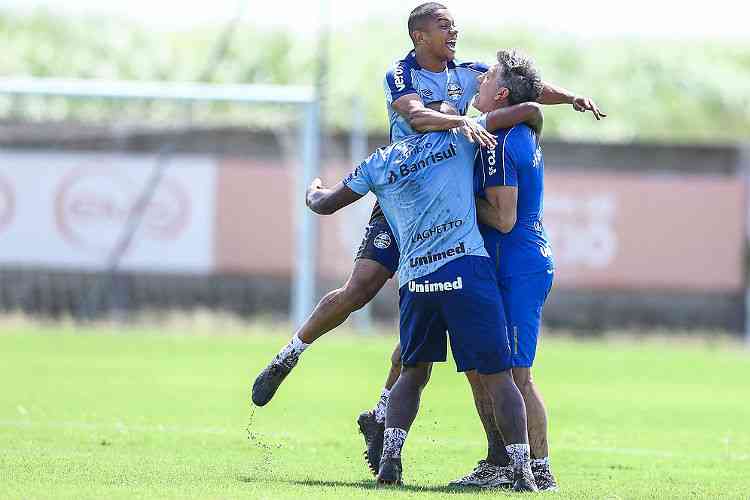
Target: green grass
(131, 414)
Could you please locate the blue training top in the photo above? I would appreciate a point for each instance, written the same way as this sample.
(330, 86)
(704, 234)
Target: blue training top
(424, 184)
(516, 161)
(456, 85)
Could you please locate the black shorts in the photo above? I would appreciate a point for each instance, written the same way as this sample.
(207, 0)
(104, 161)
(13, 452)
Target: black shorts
(379, 244)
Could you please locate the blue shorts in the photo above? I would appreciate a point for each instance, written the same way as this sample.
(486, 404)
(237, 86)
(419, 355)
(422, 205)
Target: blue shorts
(461, 297)
(379, 244)
(523, 298)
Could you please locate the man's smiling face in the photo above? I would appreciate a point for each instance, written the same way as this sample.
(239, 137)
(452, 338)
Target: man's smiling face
(440, 35)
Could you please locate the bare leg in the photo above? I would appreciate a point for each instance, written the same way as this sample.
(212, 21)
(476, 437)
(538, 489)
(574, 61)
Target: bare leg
(510, 411)
(510, 415)
(378, 413)
(536, 413)
(496, 453)
(366, 280)
(405, 395)
(395, 370)
(372, 423)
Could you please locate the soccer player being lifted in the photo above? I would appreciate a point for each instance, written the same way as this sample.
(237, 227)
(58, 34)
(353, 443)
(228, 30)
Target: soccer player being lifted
(428, 73)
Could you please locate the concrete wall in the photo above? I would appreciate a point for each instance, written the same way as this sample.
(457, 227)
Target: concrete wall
(571, 305)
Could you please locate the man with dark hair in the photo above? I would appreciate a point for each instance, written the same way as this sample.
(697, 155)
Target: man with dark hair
(427, 74)
(420, 15)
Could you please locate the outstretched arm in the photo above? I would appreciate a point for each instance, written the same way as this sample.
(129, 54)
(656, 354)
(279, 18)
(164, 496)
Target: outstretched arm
(424, 119)
(325, 201)
(553, 94)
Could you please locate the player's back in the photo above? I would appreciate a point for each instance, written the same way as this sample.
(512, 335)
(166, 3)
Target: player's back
(518, 161)
(424, 184)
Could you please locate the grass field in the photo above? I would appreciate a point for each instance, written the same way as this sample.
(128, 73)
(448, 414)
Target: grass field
(104, 413)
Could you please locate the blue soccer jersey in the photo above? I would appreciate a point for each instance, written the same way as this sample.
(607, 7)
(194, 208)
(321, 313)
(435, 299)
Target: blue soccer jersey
(424, 184)
(516, 161)
(456, 85)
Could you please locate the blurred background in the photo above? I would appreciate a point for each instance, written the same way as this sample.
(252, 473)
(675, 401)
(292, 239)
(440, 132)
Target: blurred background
(153, 155)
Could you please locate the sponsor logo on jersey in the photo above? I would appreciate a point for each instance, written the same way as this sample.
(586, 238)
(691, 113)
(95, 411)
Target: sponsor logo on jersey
(537, 157)
(406, 149)
(423, 260)
(398, 78)
(436, 229)
(440, 286)
(426, 93)
(382, 241)
(491, 169)
(454, 90)
(546, 251)
(353, 174)
(431, 159)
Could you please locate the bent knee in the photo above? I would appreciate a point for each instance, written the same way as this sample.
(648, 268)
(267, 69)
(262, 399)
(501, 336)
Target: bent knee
(358, 292)
(396, 356)
(522, 378)
(418, 374)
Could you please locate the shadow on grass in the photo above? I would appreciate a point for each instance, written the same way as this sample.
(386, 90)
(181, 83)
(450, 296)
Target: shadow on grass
(367, 484)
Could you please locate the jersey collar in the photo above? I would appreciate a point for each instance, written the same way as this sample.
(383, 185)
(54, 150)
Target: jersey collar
(411, 59)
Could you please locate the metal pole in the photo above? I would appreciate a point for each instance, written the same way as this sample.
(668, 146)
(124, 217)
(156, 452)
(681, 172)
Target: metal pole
(306, 244)
(744, 170)
(361, 319)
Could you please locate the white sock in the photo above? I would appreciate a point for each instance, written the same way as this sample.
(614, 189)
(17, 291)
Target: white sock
(519, 455)
(540, 462)
(293, 349)
(393, 441)
(382, 406)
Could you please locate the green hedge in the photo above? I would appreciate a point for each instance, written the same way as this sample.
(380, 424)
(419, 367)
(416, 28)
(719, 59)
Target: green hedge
(653, 90)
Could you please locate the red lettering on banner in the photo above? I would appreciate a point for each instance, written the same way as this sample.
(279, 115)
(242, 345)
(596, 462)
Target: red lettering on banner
(92, 206)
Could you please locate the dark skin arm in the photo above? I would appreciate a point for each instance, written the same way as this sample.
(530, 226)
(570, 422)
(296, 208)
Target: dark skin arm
(326, 201)
(527, 112)
(424, 119)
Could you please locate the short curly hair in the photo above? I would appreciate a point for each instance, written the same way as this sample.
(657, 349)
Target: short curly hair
(517, 72)
(421, 14)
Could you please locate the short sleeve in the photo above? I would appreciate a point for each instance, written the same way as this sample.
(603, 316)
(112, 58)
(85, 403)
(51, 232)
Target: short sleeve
(360, 180)
(477, 66)
(398, 81)
(356, 180)
(498, 167)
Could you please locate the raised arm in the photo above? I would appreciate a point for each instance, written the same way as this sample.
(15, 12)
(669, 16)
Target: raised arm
(325, 201)
(553, 94)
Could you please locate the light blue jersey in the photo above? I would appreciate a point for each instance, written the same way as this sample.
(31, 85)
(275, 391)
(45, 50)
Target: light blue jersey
(456, 85)
(424, 185)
